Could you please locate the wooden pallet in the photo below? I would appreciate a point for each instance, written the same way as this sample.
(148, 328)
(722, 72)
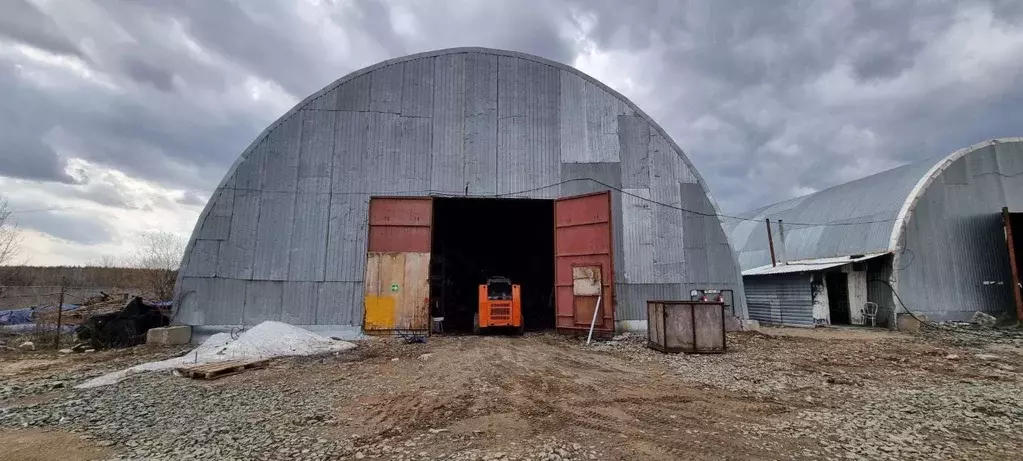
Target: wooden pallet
(220, 369)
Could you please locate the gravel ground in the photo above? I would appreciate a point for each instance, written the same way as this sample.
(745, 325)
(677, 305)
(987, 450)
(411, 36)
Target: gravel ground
(786, 394)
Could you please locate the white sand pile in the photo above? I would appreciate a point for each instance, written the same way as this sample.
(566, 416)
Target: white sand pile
(266, 340)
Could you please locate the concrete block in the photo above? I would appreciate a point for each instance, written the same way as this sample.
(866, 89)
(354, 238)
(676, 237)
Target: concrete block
(169, 336)
(907, 322)
(733, 323)
(751, 325)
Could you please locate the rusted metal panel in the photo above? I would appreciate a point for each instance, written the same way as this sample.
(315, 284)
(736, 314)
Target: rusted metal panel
(582, 238)
(400, 224)
(686, 326)
(1013, 264)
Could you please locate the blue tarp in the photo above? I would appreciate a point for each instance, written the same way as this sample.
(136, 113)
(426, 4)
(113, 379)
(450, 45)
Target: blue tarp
(24, 315)
(16, 316)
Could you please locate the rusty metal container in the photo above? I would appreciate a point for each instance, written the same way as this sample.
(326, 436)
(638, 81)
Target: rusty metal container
(695, 327)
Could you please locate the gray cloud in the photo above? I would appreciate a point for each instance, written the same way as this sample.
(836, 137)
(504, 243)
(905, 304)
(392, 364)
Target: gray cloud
(23, 22)
(86, 230)
(754, 91)
(769, 99)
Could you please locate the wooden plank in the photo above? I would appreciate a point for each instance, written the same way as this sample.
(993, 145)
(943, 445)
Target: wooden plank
(392, 282)
(414, 309)
(220, 369)
(372, 281)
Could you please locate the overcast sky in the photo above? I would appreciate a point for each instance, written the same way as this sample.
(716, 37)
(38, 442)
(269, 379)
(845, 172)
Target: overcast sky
(125, 114)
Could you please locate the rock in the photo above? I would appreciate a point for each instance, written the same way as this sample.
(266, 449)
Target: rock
(437, 431)
(426, 356)
(984, 320)
(65, 351)
(27, 346)
(105, 443)
(360, 455)
(394, 359)
(951, 357)
(986, 357)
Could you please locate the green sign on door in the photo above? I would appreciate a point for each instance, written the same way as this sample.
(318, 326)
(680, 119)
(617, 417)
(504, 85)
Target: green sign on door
(394, 288)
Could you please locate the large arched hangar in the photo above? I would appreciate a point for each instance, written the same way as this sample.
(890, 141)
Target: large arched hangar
(383, 199)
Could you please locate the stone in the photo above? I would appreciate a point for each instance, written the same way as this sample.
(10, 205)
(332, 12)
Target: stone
(27, 346)
(169, 336)
(908, 322)
(987, 357)
(952, 357)
(425, 356)
(984, 320)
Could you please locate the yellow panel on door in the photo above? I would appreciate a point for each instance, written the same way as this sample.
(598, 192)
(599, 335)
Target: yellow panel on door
(379, 313)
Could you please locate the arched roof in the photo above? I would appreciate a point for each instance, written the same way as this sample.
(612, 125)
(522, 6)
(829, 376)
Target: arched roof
(429, 54)
(865, 216)
(349, 83)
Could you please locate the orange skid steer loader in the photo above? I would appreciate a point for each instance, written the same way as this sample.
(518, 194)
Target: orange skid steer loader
(500, 306)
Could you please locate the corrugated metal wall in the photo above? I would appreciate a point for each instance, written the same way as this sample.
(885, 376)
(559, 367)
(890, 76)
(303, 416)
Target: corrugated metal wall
(783, 299)
(284, 236)
(956, 259)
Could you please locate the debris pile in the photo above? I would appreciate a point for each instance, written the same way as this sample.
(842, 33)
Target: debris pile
(264, 341)
(125, 327)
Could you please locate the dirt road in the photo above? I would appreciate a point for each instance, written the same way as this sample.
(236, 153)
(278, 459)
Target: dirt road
(789, 394)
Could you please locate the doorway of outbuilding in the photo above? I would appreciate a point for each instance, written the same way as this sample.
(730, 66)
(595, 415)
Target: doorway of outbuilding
(477, 238)
(1013, 223)
(837, 284)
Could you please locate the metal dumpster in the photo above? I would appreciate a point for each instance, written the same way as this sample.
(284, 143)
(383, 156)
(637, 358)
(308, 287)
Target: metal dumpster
(696, 327)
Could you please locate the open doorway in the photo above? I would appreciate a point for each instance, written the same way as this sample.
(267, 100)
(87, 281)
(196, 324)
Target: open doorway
(837, 284)
(475, 238)
(1013, 223)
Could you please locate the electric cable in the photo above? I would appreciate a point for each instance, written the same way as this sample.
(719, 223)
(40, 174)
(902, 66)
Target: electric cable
(440, 193)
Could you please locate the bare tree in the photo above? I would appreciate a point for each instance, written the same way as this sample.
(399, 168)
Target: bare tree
(10, 237)
(158, 250)
(159, 255)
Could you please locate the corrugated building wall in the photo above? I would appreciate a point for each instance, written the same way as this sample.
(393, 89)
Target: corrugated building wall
(284, 235)
(955, 260)
(938, 219)
(780, 299)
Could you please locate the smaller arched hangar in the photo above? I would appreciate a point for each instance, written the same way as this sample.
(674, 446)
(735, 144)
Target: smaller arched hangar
(933, 232)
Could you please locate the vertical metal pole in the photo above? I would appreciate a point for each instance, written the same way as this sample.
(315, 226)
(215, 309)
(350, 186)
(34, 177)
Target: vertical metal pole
(1007, 218)
(60, 312)
(596, 309)
(782, 257)
(770, 242)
